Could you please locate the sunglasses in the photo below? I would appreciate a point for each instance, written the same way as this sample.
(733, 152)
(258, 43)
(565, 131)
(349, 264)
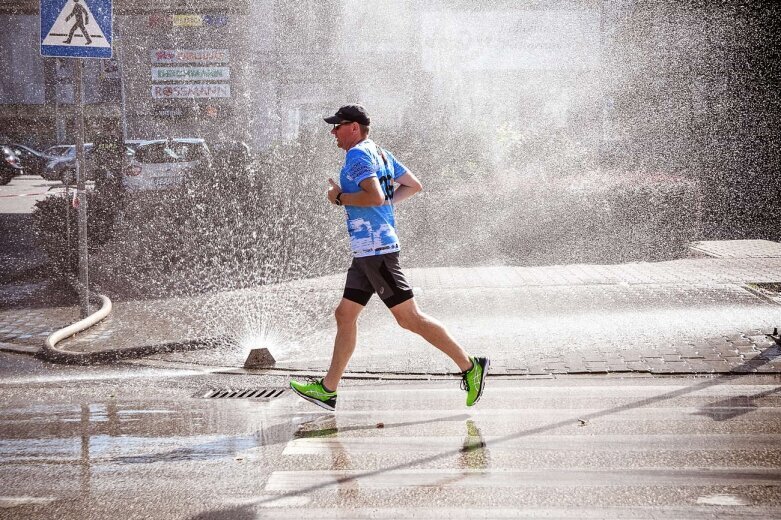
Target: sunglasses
(336, 127)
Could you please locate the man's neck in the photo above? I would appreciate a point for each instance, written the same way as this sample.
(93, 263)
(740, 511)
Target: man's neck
(358, 141)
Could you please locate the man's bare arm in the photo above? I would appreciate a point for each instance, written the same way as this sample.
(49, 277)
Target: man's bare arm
(409, 185)
(370, 195)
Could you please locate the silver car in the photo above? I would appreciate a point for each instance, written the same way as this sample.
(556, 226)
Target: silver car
(61, 163)
(164, 163)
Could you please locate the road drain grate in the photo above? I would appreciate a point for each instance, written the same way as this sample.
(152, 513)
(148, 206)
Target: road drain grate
(243, 393)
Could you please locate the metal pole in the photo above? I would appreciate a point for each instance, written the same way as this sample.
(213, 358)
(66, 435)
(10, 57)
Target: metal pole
(119, 46)
(59, 127)
(68, 228)
(59, 121)
(81, 194)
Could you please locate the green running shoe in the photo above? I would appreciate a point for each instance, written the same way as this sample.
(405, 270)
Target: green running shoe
(315, 392)
(474, 379)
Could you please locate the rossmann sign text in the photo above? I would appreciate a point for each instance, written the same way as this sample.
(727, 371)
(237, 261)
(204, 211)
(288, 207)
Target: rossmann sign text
(194, 90)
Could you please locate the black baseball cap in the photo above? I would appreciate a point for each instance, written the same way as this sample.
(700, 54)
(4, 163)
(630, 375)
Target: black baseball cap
(349, 114)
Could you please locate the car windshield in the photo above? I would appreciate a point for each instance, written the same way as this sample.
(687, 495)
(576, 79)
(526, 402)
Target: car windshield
(168, 152)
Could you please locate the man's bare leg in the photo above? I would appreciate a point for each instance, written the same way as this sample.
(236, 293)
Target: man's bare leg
(344, 344)
(410, 317)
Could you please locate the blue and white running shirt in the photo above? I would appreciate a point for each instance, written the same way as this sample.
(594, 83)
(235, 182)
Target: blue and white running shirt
(372, 230)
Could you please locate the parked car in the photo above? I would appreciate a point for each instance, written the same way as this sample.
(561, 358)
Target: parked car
(33, 161)
(57, 156)
(58, 150)
(62, 163)
(10, 166)
(164, 163)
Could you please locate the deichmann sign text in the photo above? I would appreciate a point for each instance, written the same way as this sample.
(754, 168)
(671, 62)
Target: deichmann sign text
(194, 90)
(190, 73)
(172, 56)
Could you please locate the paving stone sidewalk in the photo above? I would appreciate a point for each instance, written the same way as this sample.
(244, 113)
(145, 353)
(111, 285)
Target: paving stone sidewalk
(697, 315)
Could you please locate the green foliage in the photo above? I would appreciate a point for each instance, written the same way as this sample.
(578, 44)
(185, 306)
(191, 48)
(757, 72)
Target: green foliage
(268, 221)
(229, 228)
(55, 224)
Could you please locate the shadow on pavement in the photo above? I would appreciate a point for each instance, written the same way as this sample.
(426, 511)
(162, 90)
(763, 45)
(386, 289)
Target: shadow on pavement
(734, 406)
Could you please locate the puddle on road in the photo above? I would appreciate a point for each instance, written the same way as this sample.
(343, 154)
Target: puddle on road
(127, 433)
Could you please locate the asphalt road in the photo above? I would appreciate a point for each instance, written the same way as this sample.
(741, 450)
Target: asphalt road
(134, 442)
(138, 441)
(20, 195)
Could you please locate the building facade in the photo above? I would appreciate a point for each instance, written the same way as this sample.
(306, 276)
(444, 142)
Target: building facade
(265, 70)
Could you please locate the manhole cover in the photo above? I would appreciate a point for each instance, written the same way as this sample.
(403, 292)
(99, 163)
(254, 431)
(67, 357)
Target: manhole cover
(242, 393)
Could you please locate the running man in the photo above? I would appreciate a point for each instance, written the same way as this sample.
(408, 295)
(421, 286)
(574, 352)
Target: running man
(367, 190)
(82, 17)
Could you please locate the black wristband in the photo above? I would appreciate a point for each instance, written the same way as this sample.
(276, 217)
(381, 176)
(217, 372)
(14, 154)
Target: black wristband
(338, 200)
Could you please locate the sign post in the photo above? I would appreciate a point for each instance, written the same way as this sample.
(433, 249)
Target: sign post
(78, 29)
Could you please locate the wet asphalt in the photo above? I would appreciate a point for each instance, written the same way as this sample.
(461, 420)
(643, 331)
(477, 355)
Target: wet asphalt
(138, 439)
(130, 441)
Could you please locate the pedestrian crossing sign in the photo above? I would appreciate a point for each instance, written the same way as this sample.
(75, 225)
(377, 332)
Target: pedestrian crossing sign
(76, 28)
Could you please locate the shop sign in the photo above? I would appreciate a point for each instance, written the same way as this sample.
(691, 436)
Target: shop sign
(210, 111)
(189, 73)
(215, 20)
(160, 20)
(168, 111)
(175, 56)
(188, 20)
(192, 90)
(166, 20)
(216, 111)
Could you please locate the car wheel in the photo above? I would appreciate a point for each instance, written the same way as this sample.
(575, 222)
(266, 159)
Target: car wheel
(5, 179)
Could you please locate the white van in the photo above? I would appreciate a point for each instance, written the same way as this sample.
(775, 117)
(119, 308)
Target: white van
(164, 163)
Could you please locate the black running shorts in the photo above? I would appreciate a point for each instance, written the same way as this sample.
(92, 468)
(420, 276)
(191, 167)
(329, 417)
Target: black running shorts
(381, 274)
